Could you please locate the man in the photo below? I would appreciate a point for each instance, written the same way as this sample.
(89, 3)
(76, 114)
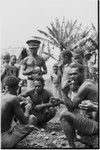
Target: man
(5, 68)
(66, 59)
(74, 118)
(79, 57)
(40, 98)
(14, 69)
(56, 88)
(10, 107)
(33, 65)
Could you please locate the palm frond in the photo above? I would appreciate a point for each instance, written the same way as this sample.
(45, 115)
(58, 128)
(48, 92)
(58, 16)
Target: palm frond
(56, 31)
(48, 36)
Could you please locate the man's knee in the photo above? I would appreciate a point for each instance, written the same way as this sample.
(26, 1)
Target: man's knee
(32, 120)
(52, 111)
(67, 116)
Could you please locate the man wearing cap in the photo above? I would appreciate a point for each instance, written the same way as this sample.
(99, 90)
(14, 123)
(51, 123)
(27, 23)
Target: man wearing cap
(33, 65)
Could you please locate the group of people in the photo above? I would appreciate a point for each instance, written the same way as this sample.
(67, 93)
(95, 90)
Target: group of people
(23, 111)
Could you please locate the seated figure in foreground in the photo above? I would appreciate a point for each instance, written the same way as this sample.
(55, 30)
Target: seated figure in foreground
(11, 132)
(40, 100)
(75, 118)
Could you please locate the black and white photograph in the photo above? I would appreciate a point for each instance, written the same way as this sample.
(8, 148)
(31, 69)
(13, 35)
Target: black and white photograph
(49, 74)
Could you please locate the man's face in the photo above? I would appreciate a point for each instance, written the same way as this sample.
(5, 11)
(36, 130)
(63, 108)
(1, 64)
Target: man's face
(65, 59)
(38, 86)
(33, 50)
(13, 60)
(6, 59)
(78, 59)
(55, 70)
(75, 78)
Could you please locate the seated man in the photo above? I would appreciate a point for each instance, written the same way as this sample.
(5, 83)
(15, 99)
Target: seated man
(40, 99)
(10, 107)
(74, 118)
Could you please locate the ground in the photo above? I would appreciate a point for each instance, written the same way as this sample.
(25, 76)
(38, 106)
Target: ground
(51, 136)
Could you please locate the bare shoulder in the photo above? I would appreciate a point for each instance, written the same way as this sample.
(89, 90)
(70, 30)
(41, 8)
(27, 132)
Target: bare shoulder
(89, 83)
(25, 59)
(11, 98)
(47, 92)
(41, 58)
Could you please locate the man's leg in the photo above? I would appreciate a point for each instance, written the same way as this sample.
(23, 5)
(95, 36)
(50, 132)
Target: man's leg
(67, 120)
(18, 132)
(45, 116)
(82, 124)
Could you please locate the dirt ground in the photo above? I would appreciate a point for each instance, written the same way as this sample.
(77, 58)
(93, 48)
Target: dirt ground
(51, 136)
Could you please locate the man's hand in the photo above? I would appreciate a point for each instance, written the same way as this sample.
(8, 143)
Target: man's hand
(36, 70)
(87, 105)
(55, 101)
(38, 107)
(28, 107)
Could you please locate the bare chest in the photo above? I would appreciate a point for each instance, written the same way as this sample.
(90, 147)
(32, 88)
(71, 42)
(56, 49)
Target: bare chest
(33, 62)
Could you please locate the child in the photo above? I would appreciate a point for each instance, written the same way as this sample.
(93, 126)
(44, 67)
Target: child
(14, 69)
(5, 68)
(56, 82)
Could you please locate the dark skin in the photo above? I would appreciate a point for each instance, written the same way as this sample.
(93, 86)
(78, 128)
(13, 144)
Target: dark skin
(83, 92)
(15, 70)
(33, 64)
(5, 61)
(38, 87)
(42, 107)
(73, 85)
(10, 107)
(39, 104)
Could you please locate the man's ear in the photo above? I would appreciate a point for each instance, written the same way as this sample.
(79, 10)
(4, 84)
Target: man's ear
(6, 87)
(43, 85)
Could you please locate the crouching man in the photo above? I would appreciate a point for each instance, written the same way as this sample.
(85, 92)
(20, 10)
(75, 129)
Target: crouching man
(40, 100)
(11, 132)
(74, 118)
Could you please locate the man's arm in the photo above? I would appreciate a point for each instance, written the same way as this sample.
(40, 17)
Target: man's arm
(26, 72)
(23, 118)
(3, 72)
(86, 91)
(26, 93)
(67, 102)
(44, 68)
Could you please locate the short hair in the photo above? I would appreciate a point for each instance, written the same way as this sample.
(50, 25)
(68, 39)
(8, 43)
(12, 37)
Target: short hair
(12, 56)
(5, 54)
(11, 81)
(55, 65)
(66, 52)
(78, 52)
(78, 66)
(38, 78)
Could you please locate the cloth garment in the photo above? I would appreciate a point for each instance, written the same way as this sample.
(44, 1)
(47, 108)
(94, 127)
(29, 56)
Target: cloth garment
(14, 135)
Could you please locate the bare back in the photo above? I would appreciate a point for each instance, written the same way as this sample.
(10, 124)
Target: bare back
(6, 112)
(10, 107)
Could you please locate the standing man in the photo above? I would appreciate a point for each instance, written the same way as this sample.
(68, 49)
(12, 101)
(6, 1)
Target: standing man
(63, 68)
(33, 65)
(56, 86)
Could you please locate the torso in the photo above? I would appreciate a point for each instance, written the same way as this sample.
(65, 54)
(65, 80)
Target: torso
(44, 97)
(6, 112)
(32, 62)
(14, 70)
